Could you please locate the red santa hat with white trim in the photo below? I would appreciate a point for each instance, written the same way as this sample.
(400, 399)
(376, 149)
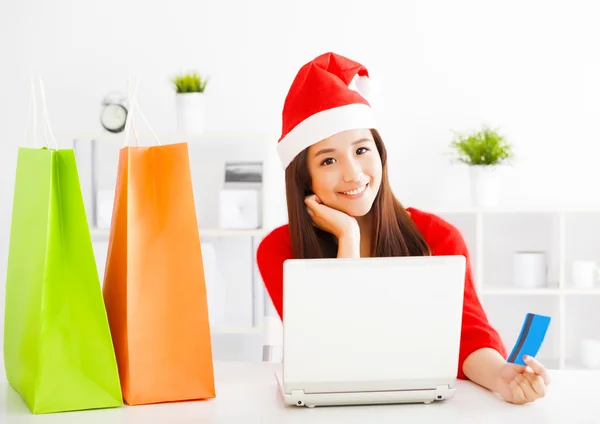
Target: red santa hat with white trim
(328, 96)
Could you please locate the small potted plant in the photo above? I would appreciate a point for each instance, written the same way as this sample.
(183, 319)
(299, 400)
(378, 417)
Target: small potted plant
(190, 102)
(484, 151)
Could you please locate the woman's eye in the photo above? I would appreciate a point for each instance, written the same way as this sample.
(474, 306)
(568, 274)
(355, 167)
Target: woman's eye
(362, 150)
(328, 161)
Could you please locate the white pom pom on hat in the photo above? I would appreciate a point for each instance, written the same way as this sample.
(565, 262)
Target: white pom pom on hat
(363, 86)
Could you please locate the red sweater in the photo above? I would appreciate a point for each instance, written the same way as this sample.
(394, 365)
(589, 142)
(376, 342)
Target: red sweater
(442, 238)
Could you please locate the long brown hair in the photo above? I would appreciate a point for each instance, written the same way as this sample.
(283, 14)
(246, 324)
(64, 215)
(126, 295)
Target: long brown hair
(394, 232)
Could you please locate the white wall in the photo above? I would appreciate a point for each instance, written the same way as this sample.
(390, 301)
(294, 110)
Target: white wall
(530, 67)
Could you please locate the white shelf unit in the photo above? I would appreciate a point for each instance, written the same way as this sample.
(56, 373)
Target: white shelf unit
(232, 341)
(237, 293)
(260, 302)
(566, 235)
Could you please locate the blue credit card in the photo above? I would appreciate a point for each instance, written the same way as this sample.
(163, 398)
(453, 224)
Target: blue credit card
(530, 339)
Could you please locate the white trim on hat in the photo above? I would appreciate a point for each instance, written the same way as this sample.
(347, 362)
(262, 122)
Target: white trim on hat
(322, 125)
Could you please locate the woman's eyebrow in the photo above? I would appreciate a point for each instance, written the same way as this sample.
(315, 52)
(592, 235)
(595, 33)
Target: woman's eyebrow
(328, 150)
(331, 150)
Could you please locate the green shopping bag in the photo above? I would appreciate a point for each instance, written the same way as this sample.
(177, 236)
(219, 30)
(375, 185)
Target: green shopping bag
(58, 352)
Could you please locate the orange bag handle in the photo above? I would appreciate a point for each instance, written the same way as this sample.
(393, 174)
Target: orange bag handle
(129, 123)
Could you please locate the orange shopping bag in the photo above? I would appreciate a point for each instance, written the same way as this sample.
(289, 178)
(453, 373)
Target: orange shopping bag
(154, 287)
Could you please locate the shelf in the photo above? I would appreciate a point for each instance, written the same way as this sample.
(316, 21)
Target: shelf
(577, 365)
(586, 292)
(217, 232)
(207, 232)
(584, 333)
(504, 236)
(510, 291)
(468, 211)
(515, 291)
(236, 330)
(508, 211)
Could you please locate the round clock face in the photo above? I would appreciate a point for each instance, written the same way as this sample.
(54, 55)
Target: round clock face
(113, 118)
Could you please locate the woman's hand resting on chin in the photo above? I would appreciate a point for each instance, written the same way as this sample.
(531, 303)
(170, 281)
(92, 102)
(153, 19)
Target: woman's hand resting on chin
(343, 226)
(333, 221)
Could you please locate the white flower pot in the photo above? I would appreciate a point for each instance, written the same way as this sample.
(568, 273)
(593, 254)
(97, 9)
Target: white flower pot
(485, 185)
(190, 112)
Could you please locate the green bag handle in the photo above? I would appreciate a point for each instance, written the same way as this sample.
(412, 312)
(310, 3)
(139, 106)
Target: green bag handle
(33, 111)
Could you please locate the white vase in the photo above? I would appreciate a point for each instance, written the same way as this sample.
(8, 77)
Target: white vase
(485, 185)
(190, 113)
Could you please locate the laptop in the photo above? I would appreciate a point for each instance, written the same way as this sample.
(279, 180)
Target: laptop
(371, 330)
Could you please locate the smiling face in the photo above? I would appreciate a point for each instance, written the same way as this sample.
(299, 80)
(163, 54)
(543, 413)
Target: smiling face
(345, 170)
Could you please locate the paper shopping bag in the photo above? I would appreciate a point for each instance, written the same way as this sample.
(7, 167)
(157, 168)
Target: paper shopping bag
(154, 286)
(58, 352)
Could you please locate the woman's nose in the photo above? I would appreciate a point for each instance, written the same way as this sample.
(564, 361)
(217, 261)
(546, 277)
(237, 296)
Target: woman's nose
(352, 171)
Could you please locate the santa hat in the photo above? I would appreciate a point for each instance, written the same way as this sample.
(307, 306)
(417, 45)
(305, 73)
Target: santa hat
(328, 95)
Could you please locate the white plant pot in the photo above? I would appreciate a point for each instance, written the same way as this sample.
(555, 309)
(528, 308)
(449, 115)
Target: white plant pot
(486, 185)
(190, 113)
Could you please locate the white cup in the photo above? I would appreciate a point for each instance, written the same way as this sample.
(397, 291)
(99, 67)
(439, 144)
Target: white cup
(585, 274)
(530, 269)
(590, 353)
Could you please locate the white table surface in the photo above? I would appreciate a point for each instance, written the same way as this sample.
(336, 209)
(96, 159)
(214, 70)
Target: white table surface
(247, 392)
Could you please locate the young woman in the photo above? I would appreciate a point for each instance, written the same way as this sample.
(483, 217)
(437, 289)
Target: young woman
(340, 204)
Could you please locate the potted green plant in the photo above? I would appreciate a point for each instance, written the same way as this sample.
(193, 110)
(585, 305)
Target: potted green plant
(190, 102)
(484, 151)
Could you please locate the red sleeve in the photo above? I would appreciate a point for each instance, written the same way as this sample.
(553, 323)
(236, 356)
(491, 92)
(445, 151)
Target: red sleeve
(476, 330)
(272, 252)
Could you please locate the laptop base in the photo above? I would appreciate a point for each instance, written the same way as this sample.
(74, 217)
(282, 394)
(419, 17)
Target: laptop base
(310, 400)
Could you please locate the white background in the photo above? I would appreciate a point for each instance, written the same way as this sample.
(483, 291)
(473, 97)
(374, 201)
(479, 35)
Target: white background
(530, 68)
